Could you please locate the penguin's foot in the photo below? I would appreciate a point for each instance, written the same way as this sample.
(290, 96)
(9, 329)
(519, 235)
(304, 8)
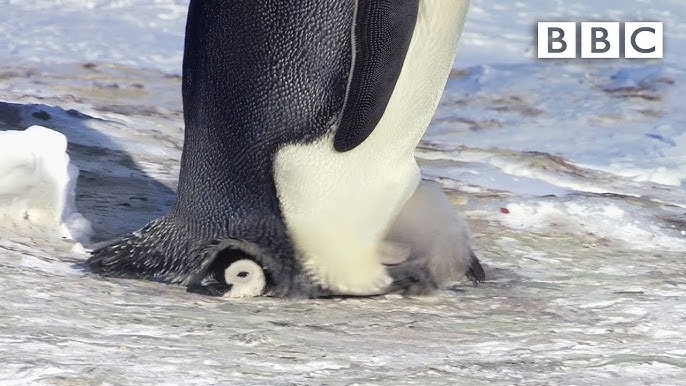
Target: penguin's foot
(439, 243)
(412, 278)
(366, 279)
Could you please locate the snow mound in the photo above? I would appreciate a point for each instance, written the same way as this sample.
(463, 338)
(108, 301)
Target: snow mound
(37, 184)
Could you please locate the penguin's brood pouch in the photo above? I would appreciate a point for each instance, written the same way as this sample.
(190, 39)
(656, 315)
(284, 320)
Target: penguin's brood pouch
(298, 175)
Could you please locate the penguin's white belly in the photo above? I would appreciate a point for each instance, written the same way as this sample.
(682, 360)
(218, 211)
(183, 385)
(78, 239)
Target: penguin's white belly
(338, 206)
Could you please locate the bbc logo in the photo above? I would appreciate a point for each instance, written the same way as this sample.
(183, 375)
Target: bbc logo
(600, 40)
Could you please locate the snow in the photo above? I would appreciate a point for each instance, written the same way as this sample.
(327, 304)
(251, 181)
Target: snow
(586, 264)
(132, 32)
(606, 221)
(37, 183)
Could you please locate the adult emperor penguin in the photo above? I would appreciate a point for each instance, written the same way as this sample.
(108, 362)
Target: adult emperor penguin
(298, 166)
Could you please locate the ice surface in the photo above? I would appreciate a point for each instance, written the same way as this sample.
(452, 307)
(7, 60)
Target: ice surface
(571, 174)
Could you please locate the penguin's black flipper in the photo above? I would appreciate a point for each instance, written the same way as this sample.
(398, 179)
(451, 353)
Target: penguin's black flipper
(383, 30)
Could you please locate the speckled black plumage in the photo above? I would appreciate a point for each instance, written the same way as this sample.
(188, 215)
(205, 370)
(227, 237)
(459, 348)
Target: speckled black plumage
(256, 75)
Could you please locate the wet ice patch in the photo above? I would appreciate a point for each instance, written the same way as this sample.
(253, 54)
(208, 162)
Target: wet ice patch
(639, 78)
(37, 184)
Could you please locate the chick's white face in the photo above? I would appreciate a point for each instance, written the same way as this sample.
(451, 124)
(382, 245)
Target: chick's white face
(246, 279)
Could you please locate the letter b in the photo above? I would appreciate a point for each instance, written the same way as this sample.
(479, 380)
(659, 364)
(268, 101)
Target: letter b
(595, 32)
(557, 40)
(556, 35)
(600, 40)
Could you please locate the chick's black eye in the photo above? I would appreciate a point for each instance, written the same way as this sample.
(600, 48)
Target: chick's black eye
(243, 274)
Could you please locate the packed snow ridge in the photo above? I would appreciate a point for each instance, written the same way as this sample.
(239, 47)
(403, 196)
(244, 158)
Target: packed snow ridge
(37, 184)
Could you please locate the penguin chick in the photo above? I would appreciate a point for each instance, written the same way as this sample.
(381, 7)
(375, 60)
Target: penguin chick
(241, 279)
(233, 272)
(245, 278)
(439, 244)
